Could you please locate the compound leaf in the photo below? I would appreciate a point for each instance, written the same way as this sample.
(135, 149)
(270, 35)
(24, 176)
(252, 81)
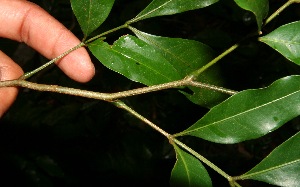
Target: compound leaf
(285, 40)
(188, 171)
(91, 13)
(281, 166)
(135, 59)
(169, 7)
(250, 114)
(258, 8)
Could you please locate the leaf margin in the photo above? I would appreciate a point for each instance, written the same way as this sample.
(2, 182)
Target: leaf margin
(217, 136)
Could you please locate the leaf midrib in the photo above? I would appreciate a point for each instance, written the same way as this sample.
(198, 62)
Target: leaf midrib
(185, 166)
(208, 125)
(269, 169)
(165, 50)
(149, 67)
(150, 12)
(280, 41)
(89, 18)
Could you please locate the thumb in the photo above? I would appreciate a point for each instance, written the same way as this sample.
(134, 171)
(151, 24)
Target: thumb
(9, 70)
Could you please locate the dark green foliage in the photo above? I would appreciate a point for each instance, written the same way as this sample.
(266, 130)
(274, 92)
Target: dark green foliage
(48, 139)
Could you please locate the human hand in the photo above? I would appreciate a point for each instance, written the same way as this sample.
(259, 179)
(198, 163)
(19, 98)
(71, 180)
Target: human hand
(26, 22)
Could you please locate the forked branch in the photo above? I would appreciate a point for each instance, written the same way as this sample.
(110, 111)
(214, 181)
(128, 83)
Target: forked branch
(110, 96)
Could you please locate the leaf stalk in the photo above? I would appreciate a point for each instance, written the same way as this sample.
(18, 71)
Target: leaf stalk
(202, 158)
(31, 73)
(122, 105)
(278, 11)
(105, 33)
(215, 60)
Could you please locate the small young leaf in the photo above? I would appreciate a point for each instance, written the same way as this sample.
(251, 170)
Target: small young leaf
(91, 14)
(188, 171)
(169, 7)
(250, 114)
(259, 8)
(281, 166)
(135, 59)
(285, 40)
(187, 56)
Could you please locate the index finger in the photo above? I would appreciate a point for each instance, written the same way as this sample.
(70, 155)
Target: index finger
(27, 22)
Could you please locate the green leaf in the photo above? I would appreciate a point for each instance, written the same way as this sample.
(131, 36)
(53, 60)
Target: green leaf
(259, 8)
(250, 114)
(91, 13)
(281, 166)
(169, 7)
(187, 56)
(135, 59)
(285, 40)
(188, 171)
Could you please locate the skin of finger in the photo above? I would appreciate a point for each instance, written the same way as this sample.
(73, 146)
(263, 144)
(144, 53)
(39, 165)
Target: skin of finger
(9, 70)
(27, 22)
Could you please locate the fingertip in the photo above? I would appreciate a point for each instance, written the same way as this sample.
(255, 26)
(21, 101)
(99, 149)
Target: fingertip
(9, 70)
(78, 66)
(29, 23)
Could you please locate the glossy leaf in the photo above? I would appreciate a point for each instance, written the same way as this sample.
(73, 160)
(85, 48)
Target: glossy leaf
(285, 40)
(135, 59)
(250, 114)
(259, 8)
(187, 56)
(281, 166)
(91, 13)
(188, 171)
(169, 7)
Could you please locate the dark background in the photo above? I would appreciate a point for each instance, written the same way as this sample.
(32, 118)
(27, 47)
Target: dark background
(48, 139)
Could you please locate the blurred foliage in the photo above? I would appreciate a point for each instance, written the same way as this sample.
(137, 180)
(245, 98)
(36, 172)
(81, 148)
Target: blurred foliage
(49, 139)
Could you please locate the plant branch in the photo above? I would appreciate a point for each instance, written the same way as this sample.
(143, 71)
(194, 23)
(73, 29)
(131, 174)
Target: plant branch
(105, 33)
(277, 12)
(196, 73)
(110, 96)
(172, 140)
(29, 74)
(122, 105)
(113, 97)
(234, 184)
(206, 161)
(202, 158)
(211, 87)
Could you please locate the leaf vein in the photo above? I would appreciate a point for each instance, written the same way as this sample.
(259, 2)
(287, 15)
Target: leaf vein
(150, 12)
(149, 67)
(270, 169)
(244, 112)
